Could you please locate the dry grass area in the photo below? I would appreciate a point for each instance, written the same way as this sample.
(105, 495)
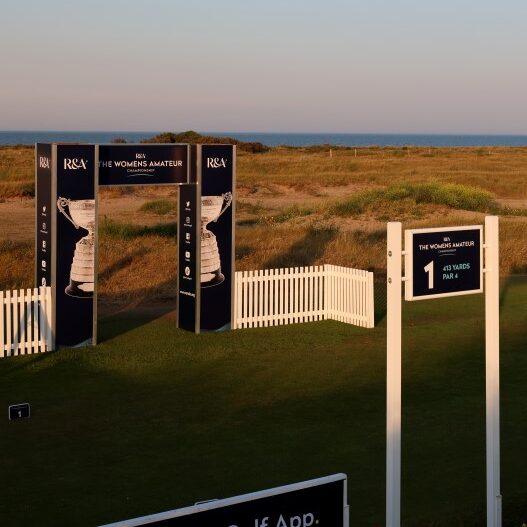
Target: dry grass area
(17, 169)
(295, 207)
(501, 170)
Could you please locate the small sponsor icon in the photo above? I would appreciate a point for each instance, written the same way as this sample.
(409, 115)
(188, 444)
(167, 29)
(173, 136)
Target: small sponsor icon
(188, 203)
(44, 226)
(187, 254)
(43, 244)
(44, 209)
(187, 219)
(187, 236)
(187, 271)
(44, 264)
(44, 282)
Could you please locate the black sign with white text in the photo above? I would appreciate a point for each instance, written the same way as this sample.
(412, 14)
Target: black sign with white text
(143, 164)
(316, 503)
(445, 262)
(19, 411)
(76, 241)
(43, 213)
(188, 279)
(217, 235)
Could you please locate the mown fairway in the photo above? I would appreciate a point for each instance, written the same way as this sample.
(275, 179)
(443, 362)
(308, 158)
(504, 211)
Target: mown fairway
(154, 418)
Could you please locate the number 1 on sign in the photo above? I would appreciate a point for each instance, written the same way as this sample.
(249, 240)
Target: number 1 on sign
(429, 268)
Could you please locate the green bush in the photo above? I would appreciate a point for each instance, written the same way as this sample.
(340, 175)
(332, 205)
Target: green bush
(192, 137)
(450, 194)
(161, 207)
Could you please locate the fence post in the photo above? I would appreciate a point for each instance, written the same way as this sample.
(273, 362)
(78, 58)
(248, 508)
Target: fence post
(393, 375)
(370, 301)
(2, 322)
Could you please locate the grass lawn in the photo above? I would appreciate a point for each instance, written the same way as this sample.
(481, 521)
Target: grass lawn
(155, 418)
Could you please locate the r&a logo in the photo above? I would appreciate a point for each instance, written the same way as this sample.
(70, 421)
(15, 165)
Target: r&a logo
(43, 162)
(216, 162)
(74, 163)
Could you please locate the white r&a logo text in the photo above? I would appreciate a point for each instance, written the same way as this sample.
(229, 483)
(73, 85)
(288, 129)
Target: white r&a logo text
(43, 162)
(216, 162)
(74, 163)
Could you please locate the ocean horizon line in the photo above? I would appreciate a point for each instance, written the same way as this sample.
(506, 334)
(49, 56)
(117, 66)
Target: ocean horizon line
(273, 139)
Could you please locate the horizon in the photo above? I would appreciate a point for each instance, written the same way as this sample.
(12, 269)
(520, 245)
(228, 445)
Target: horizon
(257, 132)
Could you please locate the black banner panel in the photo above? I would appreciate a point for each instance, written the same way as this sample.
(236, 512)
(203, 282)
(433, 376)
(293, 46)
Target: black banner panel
(76, 225)
(143, 164)
(188, 249)
(217, 235)
(320, 505)
(445, 262)
(44, 212)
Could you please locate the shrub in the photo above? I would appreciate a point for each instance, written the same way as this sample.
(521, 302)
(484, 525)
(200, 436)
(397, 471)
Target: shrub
(450, 194)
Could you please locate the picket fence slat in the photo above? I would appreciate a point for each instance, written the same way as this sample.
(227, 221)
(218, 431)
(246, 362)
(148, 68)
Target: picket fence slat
(303, 294)
(25, 321)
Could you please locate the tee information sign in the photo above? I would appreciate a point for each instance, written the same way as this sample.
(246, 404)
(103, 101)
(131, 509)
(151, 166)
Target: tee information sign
(443, 262)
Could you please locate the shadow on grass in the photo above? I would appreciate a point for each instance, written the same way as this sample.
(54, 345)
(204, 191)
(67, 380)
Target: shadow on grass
(123, 262)
(379, 302)
(139, 312)
(305, 251)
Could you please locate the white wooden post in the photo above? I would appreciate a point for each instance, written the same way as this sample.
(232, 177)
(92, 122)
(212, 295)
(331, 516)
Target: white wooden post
(393, 375)
(492, 367)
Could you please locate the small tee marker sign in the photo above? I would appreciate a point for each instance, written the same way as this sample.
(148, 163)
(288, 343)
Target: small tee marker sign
(19, 411)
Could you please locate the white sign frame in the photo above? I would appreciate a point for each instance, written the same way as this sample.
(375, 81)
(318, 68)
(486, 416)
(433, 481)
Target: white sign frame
(491, 270)
(235, 500)
(409, 267)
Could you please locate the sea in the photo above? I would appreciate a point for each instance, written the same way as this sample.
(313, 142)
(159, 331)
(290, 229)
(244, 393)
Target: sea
(28, 137)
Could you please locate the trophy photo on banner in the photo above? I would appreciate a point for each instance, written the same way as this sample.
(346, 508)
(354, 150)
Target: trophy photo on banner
(81, 214)
(212, 207)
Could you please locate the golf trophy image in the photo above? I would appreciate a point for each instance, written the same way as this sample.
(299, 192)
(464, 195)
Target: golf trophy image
(212, 207)
(81, 214)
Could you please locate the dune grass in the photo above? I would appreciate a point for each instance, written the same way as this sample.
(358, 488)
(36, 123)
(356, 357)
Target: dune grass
(501, 170)
(452, 195)
(160, 207)
(17, 171)
(119, 230)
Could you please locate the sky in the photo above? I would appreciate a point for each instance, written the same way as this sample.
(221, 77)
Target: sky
(368, 66)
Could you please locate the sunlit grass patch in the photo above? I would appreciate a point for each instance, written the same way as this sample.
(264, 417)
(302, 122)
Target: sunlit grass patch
(452, 195)
(161, 207)
(114, 229)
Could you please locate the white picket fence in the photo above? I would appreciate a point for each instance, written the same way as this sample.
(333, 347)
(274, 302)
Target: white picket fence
(25, 321)
(273, 297)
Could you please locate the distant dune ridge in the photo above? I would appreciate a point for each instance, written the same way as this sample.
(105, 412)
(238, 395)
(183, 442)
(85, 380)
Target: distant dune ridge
(295, 207)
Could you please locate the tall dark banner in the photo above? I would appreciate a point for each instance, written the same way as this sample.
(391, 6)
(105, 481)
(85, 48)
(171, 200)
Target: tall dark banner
(75, 208)
(43, 215)
(188, 249)
(143, 164)
(217, 175)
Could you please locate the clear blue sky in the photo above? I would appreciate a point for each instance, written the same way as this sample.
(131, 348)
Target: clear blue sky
(449, 66)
